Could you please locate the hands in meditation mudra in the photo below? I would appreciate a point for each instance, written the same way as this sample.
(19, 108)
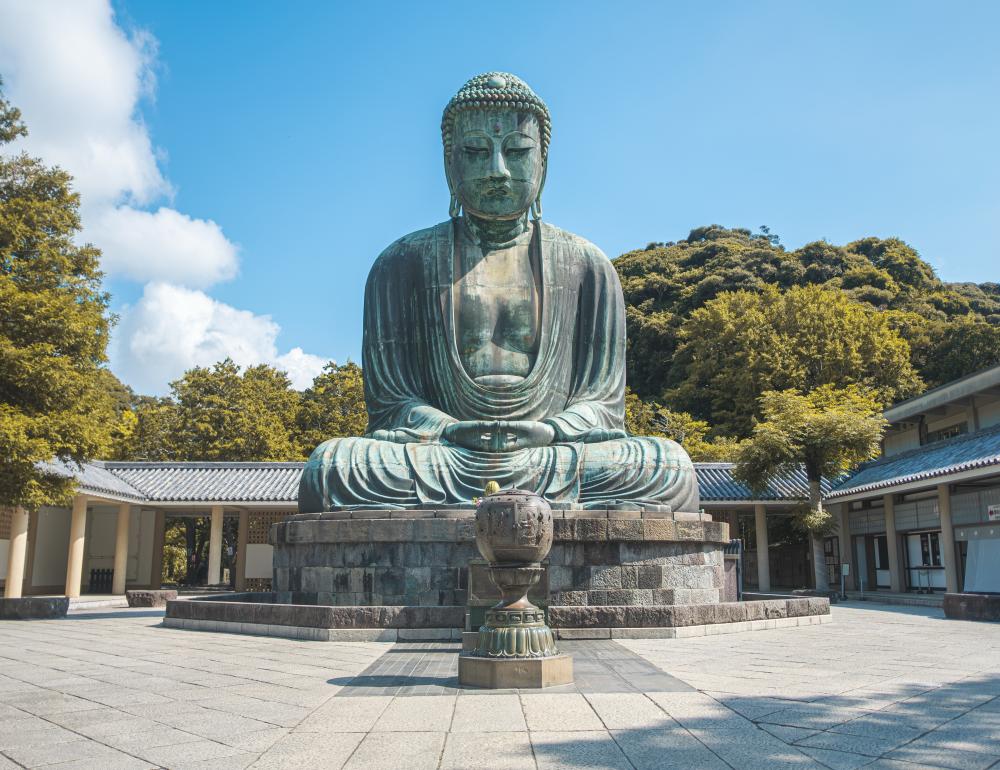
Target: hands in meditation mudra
(494, 345)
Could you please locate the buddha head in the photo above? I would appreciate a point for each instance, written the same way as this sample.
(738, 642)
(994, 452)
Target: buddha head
(496, 133)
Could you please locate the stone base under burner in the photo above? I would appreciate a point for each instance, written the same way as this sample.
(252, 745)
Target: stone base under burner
(514, 673)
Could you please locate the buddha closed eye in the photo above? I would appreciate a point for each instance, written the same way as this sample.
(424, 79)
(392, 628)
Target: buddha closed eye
(496, 165)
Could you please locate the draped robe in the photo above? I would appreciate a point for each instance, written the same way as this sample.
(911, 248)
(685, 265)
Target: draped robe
(416, 385)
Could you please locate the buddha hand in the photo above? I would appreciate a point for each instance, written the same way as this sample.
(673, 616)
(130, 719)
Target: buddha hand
(499, 435)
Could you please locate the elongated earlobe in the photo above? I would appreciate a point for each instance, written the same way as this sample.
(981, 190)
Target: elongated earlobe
(454, 207)
(536, 208)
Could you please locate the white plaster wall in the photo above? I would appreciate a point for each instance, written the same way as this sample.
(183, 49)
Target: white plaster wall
(946, 421)
(259, 557)
(901, 442)
(140, 546)
(102, 533)
(989, 415)
(102, 523)
(51, 547)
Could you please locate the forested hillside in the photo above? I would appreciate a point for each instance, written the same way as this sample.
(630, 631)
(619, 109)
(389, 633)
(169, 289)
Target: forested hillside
(725, 314)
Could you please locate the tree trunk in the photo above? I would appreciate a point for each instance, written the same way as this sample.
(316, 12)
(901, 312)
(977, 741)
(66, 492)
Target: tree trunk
(822, 580)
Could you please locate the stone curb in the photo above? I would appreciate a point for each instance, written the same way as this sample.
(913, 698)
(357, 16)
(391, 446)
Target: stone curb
(685, 632)
(684, 615)
(319, 634)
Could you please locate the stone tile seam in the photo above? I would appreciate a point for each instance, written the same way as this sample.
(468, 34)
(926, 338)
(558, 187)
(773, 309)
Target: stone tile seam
(97, 739)
(897, 747)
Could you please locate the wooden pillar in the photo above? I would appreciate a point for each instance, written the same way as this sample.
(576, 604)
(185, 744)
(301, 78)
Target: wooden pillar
(242, 536)
(892, 543)
(763, 555)
(156, 565)
(846, 552)
(215, 547)
(121, 548)
(16, 553)
(947, 539)
(74, 559)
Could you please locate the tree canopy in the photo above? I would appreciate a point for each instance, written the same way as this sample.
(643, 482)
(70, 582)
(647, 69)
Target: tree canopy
(225, 413)
(742, 343)
(828, 431)
(54, 326)
(950, 329)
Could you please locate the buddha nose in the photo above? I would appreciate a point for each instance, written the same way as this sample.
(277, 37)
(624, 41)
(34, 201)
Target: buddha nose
(498, 168)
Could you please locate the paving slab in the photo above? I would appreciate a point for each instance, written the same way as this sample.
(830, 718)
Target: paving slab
(488, 751)
(568, 711)
(877, 687)
(496, 713)
(591, 748)
(398, 751)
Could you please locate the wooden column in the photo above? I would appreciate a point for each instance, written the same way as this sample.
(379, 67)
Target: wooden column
(763, 556)
(121, 548)
(242, 536)
(892, 542)
(16, 553)
(215, 547)
(74, 559)
(947, 539)
(156, 565)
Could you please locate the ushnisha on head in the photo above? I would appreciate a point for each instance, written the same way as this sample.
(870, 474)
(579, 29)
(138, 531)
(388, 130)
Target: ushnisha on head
(496, 135)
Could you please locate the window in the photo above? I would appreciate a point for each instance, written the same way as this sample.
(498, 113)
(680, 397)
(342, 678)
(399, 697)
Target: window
(881, 552)
(930, 549)
(958, 429)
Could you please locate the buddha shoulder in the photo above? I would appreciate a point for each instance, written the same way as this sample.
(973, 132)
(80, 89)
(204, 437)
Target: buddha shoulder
(409, 252)
(581, 249)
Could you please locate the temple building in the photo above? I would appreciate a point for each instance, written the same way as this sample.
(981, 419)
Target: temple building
(925, 516)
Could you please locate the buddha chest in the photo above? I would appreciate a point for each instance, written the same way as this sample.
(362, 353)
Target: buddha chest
(497, 312)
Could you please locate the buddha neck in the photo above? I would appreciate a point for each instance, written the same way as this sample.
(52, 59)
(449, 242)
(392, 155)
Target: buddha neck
(495, 233)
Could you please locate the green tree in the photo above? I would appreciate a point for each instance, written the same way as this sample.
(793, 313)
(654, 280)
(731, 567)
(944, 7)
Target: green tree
(828, 431)
(53, 330)
(744, 343)
(333, 407)
(649, 418)
(665, 282)
(960, 347)
(225, 415)
(153, 436)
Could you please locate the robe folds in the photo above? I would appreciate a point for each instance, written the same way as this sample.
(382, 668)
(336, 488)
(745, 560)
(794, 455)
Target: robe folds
(416, 385)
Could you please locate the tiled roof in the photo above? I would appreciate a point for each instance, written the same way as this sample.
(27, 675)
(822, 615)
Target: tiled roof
(716, 483)
(212, 482)
(95, 478)
(963, 453)
(222, 482)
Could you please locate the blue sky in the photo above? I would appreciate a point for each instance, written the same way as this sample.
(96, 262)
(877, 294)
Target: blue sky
(308, 134)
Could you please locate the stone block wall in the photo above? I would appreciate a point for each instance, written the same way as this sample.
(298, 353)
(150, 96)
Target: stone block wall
(422, 558)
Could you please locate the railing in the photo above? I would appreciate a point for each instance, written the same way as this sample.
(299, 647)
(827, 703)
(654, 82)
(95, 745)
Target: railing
(101, 581)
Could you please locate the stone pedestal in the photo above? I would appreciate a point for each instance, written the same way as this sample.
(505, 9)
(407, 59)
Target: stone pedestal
(513, 673)
(422, 557)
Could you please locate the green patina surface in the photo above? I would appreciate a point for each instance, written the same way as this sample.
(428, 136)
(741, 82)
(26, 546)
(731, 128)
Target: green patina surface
(494, 345)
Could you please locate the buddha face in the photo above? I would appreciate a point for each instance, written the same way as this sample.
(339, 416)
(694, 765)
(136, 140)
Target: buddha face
(496, 165)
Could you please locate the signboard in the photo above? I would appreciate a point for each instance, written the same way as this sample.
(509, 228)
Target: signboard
(993, 513)
(845, 569)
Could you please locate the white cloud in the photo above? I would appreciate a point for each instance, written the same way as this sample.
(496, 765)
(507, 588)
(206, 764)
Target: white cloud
(174, 247)
(171, 329)
(78, 78)
(302, 367)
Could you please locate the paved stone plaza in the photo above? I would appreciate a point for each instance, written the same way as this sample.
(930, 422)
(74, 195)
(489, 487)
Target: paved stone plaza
(880, 687)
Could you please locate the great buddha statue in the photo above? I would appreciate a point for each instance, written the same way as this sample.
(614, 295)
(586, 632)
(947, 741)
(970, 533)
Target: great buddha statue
(494, 345)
